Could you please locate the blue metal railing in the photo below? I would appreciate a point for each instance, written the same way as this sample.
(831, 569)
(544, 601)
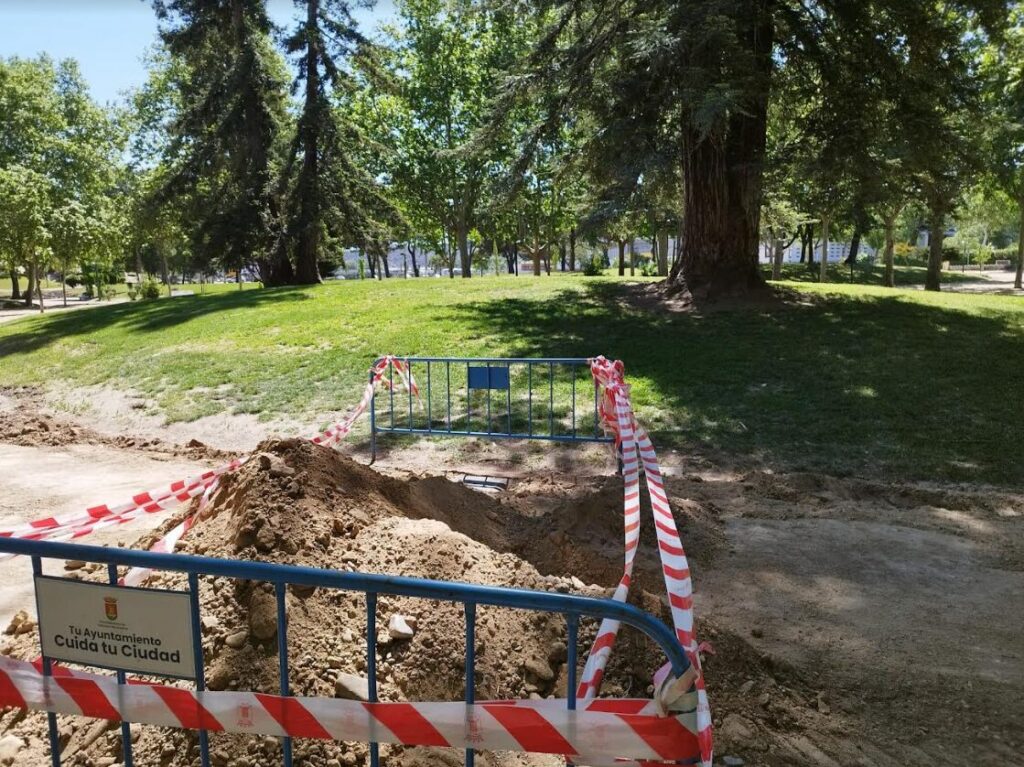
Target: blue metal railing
(281, 576)
(542, 398)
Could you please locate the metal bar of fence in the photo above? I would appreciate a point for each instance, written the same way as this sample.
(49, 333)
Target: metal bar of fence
(126, 730)
(200, 666)
(529, 405)
(470, 666)
(551, 399)
(508, 398)
(280, 593)
(574, 372)
(501, 435)
(522, 360)
(391, 393)
(51, 718)
(371, 666)
(373, 419)
(489, 398)
(430, 394)
(408, 370)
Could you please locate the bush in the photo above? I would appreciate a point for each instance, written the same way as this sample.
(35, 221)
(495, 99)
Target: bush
(109, 291)
(649, 269)
(1005, 254)
(149, 290)
(593, 267)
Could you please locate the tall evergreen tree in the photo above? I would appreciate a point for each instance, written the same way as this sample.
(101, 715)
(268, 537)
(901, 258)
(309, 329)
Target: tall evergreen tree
(233, 106)
(332, 191)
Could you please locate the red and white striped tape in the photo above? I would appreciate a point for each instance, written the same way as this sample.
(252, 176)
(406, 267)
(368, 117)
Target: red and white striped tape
(80, 524)
(616, 412)
(630, 729)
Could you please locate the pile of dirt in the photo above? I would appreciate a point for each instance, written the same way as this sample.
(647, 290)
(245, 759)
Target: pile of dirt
(28, 424)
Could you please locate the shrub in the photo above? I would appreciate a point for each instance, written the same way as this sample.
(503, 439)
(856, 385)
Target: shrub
(593, 267)
(149, 290)
(108, 292)
(1005, 254)
(649, 269)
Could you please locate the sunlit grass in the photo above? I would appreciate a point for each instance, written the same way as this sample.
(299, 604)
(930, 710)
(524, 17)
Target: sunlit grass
(843, 377)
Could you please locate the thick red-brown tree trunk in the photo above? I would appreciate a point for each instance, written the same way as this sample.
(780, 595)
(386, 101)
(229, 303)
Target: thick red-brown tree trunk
(722, 175)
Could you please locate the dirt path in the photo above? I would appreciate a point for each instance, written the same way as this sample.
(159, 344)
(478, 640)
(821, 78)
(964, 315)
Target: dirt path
(41, 481)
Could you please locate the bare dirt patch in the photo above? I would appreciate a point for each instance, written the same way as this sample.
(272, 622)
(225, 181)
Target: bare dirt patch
(852, 622)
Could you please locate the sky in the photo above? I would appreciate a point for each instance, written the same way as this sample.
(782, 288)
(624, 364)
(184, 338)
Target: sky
(109, 37)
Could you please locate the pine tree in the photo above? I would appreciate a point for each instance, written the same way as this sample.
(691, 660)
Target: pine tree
(224, 136)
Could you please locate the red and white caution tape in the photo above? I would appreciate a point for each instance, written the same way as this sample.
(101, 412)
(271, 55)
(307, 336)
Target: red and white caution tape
(616, 412)
(80, 524)
(627, 728)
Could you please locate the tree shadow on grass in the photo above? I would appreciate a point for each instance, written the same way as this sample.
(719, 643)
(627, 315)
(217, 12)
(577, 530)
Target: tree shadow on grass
(869, 385)
(143, 317)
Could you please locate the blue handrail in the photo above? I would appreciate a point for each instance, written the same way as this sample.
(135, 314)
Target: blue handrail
(572, 606)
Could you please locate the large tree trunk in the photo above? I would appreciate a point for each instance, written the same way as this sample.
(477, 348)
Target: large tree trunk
(778, 254)
(723, 173)
(632, 258)
(823, 273)
(1020, 247)
(936, 235)
(30, 277)
(572, 250)
(412, 255)
(465, 257)
(561, 255)
(622, 258)
(15, 285)
(890, 247)
(307, 247)
(384, 264)
(662, 240)
(39, 286)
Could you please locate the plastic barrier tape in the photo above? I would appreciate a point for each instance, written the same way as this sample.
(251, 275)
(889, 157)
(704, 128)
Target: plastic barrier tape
(625, 727)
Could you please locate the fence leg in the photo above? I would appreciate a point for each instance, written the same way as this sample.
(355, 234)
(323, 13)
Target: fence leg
(373, 424)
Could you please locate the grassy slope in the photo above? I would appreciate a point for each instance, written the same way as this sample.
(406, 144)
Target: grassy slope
(854, 378)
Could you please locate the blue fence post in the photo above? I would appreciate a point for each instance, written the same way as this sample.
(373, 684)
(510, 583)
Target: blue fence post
(373, 419)
(200, 666)
(470, 667)
(280, 592)
(572, 624)
(126, 730)
(51, 718)
(371, 667)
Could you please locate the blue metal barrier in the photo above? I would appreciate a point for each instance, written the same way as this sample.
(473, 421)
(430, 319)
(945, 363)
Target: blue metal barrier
(281, 576)
(542, 398)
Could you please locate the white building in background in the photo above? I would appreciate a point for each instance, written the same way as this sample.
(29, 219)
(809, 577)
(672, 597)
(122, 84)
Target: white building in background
(837, 251)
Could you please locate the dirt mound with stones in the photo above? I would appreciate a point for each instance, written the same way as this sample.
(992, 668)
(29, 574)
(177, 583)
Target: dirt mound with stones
(300, 504)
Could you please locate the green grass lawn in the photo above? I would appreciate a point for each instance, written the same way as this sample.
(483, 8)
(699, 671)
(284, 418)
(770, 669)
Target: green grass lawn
(847, 378)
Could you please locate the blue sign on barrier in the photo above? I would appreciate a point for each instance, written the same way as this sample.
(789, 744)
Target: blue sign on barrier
(488, 378)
